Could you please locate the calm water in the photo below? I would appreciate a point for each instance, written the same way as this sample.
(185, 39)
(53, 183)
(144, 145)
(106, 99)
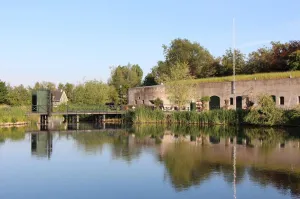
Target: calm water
(150, 162)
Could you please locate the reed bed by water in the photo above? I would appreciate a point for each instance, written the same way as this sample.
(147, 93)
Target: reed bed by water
(144, 115)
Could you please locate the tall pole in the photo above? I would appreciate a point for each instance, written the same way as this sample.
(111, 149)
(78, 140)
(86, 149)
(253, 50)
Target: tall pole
(233, 53)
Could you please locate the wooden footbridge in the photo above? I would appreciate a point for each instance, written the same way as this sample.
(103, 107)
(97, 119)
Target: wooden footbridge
(72, 115)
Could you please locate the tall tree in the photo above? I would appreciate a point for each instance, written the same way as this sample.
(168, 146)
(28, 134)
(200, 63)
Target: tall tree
(184, 51)
(3, 92)
(44, 85)
(18, 96)
(179, 92)
(227, 62)
(125, 77)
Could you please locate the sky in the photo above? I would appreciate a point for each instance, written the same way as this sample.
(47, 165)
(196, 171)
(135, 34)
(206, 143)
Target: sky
(79, 40)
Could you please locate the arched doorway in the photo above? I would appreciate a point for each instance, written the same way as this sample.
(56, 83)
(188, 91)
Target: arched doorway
(214, 103)
(239, 102)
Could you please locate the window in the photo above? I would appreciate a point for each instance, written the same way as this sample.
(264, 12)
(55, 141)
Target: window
(298, 99)
(135, 101)
(281, 100)
(231, 101)
(274, 98)
(143, 101)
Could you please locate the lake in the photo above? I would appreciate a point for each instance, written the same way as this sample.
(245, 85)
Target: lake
(149, 162)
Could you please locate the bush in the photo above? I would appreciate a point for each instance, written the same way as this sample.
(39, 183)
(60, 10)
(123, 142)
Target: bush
(266, 113)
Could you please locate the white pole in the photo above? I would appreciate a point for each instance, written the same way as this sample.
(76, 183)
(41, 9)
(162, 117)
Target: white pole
(233, 53)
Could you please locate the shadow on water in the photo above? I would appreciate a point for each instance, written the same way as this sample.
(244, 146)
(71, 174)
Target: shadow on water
(191, 155)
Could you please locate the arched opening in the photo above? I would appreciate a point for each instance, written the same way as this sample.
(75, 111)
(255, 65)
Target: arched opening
(214, 140)
(214, 103)
(273, 98)
(239, 102)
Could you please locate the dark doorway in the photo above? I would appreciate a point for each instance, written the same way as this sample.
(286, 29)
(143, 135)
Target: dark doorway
(214, 103)
(239, 102)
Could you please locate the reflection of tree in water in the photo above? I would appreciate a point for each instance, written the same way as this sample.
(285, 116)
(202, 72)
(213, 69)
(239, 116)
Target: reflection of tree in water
(94, 141)
(283, 181)
(188, 166)
(13, 133)
(269, 137)
(122, 144)
(226, 171)
(125, 148)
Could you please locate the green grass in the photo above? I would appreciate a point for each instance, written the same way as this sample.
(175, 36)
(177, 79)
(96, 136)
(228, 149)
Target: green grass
(258, 76)
(15, 114)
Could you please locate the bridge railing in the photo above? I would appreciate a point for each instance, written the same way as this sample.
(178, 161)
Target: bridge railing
(87, 108)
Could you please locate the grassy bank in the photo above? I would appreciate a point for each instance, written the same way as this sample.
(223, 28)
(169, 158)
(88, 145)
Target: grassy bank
(257, 76)
(13, 115)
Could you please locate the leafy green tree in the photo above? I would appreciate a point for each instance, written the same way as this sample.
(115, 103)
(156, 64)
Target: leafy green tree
(44, 85)
(179, 92)
(149, 80)
(91, 93)
(227, 63)
(125, 77)
(184, 51)
(18, 96)
(294, 61)
(3, 92)
(259, 61)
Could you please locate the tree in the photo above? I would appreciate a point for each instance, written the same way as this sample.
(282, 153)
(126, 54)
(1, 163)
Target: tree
(259, 61)
(227, 63)
(91, 93)
(3, 92)
(149, 80)
(184, 51)
(44, 85)
(18, 96)
(294, 61)
(125, 77)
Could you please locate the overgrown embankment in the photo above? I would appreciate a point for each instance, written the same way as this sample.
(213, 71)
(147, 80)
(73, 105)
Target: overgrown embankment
(264, 114)
(10, 116)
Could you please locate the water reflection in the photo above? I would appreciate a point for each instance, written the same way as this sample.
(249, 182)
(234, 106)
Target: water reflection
(41, 144)
(191, 156)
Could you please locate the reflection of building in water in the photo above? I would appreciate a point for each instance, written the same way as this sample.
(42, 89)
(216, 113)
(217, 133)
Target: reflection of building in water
(41, 144)
(190, 161)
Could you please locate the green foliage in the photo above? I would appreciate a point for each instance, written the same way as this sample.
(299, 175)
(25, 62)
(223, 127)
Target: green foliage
(205, 99)
(125, 77)
(278, 58)
(266, 113)
(294, 61)
(19, 96)
(3, 92)
(149, 80)
(92, 93)
(44, 85)
(145, 115)
(227, 117)
(158, 102)
(13, 114)
(227, 63)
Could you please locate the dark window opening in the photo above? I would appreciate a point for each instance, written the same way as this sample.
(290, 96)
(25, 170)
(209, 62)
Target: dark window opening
(143, 101)
(231, 101)
(273, 97)
(281, 100)
(298, 99)
(135, 101)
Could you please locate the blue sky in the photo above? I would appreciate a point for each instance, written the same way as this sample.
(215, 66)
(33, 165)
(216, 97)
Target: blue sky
(74, 41)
